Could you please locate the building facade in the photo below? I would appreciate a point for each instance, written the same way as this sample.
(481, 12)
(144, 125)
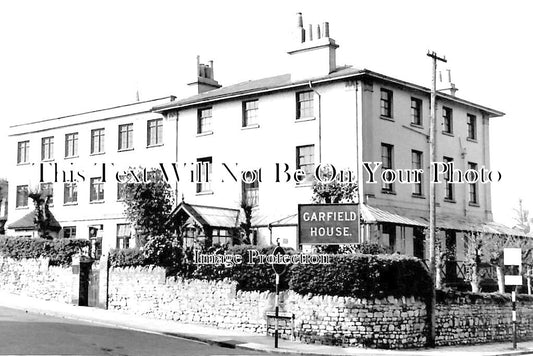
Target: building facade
(262, 131)
(75, 158)
(320, 113)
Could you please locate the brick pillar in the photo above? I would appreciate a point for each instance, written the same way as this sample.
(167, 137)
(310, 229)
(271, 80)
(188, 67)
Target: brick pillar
(103, 289)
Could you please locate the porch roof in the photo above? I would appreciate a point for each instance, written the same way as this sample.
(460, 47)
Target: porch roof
(27, 223)
(210, 215)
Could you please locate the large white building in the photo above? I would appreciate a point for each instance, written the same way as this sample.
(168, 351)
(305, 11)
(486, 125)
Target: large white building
(315, 113)
(119, 137)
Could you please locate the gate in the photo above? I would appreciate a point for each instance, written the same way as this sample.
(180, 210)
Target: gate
(89, 283)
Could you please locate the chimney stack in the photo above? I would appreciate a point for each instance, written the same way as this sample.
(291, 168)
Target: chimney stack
(313, 52)
(205, 78)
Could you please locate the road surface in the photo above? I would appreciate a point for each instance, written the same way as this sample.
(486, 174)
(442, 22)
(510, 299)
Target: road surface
(33, 334)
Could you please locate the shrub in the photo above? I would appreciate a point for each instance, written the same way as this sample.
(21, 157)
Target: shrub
(363, 276)
(249, 277)
(364, 247)
(60, 251)
(127, 257)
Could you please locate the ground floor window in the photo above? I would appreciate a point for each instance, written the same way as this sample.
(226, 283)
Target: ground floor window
(123, 235)
(418, 242)
(69, 232)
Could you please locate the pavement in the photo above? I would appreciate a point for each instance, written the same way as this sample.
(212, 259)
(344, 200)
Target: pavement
(232, 338)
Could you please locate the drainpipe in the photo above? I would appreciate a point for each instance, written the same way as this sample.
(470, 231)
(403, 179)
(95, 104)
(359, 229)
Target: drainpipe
(176, 189)
(319, 122)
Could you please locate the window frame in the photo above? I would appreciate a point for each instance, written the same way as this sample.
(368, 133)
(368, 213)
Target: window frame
(128, 137)
(305, 106)
(247, 119)
(204, 187)
(24, 190)
(101, 141)
(71, 229)
(50, 191)
(447, 120)
(386, 104)
(23, 146)
(449, 191)
(97, 184)
(67, 187)
(157, 130)
(309, 172)
(416, 111)
(71, 142)
(471, 127)
(47, 141)
(124, 238)
(418, 188)
(389, 150)
(250, 191)
(473, 191)
(204, 124)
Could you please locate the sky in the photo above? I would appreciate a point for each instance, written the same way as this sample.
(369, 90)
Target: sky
(65, 57)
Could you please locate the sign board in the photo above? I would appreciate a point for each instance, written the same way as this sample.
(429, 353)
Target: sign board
(328, 223)
(512, 256)
(279, 268)
(513, 280)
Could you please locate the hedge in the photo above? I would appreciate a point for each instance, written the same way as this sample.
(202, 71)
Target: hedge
(60, 251)
(127, 257)
(355, 275)
(249, 277)
(363, 276)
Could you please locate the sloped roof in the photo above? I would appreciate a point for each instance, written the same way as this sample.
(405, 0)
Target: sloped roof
(210, 215)
(27, 223)
(281, 82)
(373, 214)
(252, 86)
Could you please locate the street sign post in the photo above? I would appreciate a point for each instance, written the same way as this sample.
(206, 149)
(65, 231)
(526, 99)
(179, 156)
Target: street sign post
(279, 269)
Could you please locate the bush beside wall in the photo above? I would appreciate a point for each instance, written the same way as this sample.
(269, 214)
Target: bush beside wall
(363, 276)
(59, 251)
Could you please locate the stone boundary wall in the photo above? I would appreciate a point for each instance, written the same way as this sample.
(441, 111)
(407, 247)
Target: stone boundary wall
(386, 323)
(463, 321)
(36, 278)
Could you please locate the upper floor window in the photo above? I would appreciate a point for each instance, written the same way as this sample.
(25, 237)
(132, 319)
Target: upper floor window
(70, 193)
(125, 136)
(97, 190)
(472, 187)
(97, 141)
(447, 120)
(305, 160)
(121, 191)
(22, 196)
(47, 190)
(204, 120)
(416, 111)
(249, 113)
(23, 152)
(47, 148)
(386, 103)
(387, 163)
(305, 104)
(416, 163)
(71, 144)
(250, 188)
(471, 125)
(204, 167)
(449, 193)
(154, 132)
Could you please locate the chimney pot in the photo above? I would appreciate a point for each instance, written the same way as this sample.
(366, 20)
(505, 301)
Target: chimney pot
(310, 33)
(300, 20)
(326, 29)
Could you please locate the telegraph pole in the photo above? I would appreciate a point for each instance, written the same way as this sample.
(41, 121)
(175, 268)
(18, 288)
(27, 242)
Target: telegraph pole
(432, 195)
